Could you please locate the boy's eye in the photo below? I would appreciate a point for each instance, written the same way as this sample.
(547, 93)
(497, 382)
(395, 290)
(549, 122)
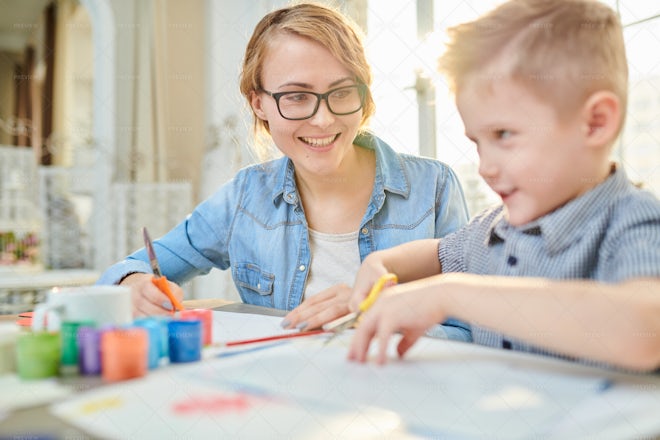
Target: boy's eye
(503, 134)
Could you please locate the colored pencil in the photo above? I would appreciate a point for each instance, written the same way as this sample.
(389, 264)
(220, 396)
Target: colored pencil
(269, 338)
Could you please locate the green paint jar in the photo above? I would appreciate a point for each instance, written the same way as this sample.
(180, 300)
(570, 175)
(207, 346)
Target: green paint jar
(38, 355)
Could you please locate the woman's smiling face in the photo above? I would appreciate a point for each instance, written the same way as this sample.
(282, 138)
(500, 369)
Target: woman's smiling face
(318, 145)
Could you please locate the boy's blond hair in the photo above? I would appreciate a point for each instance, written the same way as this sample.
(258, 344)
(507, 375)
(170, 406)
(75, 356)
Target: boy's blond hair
(562, 50)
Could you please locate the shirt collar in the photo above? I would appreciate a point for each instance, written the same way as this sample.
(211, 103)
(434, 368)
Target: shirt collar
(390, 173)
(563, 226)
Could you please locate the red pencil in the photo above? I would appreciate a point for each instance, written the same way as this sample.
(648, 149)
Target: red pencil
(270, 338)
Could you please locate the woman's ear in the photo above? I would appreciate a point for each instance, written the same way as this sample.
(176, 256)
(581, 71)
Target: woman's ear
(602, 116)
(257, 105)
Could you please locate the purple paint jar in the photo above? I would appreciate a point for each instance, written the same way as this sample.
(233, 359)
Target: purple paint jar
(89, 351)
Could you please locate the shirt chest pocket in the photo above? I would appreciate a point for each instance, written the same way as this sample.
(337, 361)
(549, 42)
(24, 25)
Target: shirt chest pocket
(254, 285)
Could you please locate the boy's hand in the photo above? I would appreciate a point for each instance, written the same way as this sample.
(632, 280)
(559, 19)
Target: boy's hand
(409, 309)
(147, 299)
(319, 309)
(370, 271)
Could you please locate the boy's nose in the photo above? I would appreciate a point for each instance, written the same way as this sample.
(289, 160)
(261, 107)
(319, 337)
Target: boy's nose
(488, 169)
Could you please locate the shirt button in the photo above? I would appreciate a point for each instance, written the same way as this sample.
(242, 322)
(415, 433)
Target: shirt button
(259, 286)
(512, 261)
(301, 268)
(365, 231)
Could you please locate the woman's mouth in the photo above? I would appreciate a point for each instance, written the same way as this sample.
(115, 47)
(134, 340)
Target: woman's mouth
(319, 142)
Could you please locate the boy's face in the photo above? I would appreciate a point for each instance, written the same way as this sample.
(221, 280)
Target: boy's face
(531, 159)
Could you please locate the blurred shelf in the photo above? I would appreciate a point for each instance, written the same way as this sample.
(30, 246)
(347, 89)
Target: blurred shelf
(24, 287)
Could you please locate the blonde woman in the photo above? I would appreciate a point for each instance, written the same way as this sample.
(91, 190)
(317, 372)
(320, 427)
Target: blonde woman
(300, 225)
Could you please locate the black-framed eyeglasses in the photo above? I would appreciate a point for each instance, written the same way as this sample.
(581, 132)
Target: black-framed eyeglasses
(341, 101)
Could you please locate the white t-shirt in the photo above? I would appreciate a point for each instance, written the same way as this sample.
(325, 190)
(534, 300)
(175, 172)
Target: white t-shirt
(335, 260)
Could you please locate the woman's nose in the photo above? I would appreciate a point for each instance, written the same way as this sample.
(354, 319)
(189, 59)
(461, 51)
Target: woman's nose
(323, 116)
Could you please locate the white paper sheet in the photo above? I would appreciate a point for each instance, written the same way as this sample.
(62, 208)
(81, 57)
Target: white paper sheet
(302, 388)
(228, 326)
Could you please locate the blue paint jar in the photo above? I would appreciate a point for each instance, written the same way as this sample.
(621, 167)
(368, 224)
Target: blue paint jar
(185, 340)
(154, 331)
(164, 338)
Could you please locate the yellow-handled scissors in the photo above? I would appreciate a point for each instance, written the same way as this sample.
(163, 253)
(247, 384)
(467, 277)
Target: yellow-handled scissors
(340, 324)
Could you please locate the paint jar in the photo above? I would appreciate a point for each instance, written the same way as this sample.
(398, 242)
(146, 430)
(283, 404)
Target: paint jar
(38, 355)
(185, 340)
(154, 331)
(89, 351)
(124, 353)
(69, 335)
(204, 315)
(163, 321)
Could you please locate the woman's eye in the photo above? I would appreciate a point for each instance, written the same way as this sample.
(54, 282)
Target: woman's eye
(296, 97)
(340, 94)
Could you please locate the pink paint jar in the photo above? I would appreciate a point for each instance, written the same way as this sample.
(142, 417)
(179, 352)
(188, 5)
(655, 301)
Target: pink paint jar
(204, 315)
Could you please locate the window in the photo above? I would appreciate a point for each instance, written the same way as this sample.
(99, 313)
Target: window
(402, 61)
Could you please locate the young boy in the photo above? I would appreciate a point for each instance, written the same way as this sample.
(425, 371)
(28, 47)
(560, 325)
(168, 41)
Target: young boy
(569, 265)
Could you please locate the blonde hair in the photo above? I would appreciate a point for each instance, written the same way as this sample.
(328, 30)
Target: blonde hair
(562, 50)
(321, 24)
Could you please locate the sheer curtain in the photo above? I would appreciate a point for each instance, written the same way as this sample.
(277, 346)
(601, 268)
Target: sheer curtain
(150, 104)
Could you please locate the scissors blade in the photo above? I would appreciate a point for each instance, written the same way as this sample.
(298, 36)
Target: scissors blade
(341, 324)
(150, 252)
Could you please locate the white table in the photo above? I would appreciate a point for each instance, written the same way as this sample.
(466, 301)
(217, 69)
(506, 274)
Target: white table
(303, 389)
(20, 289)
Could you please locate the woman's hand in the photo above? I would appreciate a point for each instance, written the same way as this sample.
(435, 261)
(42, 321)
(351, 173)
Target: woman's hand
(319, 309)
(338, 300)
(147, 299)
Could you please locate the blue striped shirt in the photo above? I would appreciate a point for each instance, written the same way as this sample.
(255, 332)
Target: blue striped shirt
(609, 234)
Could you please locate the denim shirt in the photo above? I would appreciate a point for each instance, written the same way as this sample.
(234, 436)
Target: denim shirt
(255, 225)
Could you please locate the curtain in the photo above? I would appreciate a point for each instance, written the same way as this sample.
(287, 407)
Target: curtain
(48, 85)
(149, 97)
(23, 96)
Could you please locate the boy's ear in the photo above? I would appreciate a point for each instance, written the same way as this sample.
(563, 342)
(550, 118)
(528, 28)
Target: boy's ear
(256, 104)
(602, 115)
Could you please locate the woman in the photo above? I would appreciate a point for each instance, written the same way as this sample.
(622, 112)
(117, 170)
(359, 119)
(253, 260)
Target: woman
(301, 224)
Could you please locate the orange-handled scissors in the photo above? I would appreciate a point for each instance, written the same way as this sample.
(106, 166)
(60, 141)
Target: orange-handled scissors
(340, 324)
(159, 280)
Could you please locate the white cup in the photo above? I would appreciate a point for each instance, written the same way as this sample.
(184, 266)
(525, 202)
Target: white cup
(8, 335)
(105, 305)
